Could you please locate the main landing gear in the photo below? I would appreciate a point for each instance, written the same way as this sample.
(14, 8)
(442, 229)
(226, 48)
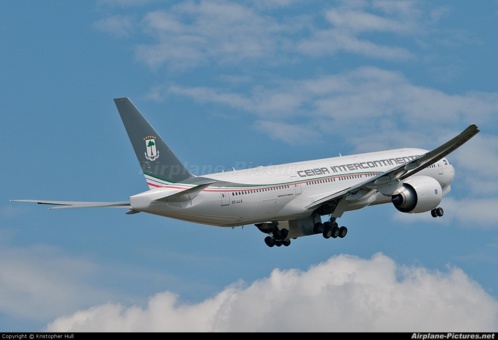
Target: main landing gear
(438, 212)
(330, 229)
(278, 236)
(278, 239)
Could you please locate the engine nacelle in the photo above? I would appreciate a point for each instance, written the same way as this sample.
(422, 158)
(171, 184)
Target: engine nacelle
(418, 194)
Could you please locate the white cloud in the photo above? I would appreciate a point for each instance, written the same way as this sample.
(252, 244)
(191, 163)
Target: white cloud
(468, 213)
(472, 213)
(189, 35)
(45, 280)
(359, 21)
(368, 106)
(332, 41)
(478, 161)
(404, 8)
(118, 26)
(286, 132)
(206, 95)
(344, 293)
(192, 34)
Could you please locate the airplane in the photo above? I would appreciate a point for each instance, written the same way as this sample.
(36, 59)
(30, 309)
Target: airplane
(285, 201)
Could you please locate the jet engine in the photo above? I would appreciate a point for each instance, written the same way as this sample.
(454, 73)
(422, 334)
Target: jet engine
(418, 194)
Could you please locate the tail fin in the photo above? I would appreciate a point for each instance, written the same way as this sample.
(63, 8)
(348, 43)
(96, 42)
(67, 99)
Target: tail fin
(159, 164)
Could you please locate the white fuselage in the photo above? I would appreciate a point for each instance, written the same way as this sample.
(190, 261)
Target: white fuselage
(281, 192)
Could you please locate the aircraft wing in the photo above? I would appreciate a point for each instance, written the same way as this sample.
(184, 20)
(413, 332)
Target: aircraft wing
(390, 179)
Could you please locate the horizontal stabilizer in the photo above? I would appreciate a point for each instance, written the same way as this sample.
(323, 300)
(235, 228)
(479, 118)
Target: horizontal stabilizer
(73, 204)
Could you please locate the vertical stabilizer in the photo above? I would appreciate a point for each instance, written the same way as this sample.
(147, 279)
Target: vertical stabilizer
(159, 164)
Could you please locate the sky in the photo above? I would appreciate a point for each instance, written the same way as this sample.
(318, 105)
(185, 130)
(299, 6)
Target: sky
(232, 85)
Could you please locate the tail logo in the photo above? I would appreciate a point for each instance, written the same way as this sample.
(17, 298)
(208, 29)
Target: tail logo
(151, 152)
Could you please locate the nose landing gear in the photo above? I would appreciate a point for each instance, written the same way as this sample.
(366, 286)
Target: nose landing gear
(438, 212)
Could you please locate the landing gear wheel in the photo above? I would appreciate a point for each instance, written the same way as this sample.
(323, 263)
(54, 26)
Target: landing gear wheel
(327, 230)
(277, 234)
(317, 228)
(335, 231)
(343, 231)
(284, 233)
(438, 212)
(278, 243)
(270, 242)
(286, 243)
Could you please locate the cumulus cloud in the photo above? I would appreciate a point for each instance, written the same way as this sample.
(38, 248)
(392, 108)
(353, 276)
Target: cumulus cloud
(344, 293)
(33, 277)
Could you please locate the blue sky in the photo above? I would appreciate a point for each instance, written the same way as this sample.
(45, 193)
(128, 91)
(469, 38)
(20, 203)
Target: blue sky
(234, 85)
